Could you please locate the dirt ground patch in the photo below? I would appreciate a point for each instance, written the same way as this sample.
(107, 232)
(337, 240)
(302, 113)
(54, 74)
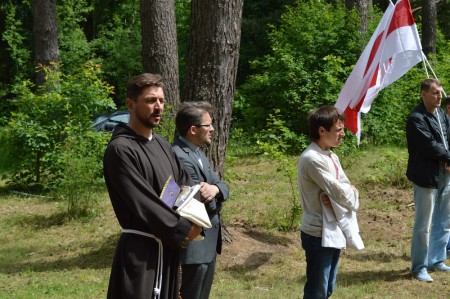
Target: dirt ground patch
(252, 248)
(390, 223)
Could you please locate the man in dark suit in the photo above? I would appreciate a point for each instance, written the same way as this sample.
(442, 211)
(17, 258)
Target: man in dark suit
(194, 126)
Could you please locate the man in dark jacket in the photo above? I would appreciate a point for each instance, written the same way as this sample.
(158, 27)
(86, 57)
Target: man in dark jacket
(137, 164)
(427, 133)
(194, 125)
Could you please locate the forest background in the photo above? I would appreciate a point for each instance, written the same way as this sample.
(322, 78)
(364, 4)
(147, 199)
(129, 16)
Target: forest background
(294, 56)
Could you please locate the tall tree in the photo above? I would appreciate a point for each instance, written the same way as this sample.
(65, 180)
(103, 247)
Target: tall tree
(159, 44)
(212, 63)
(429, 15)
(363, 9)
(45, 35)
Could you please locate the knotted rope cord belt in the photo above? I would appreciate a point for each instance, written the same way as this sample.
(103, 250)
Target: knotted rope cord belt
(158, 283)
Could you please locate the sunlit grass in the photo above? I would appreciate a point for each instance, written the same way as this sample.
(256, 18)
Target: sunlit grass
(44, 254)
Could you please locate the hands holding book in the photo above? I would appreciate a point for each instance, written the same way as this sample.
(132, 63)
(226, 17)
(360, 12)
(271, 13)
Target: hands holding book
(183, 202)
(194, 232)
(208, 192)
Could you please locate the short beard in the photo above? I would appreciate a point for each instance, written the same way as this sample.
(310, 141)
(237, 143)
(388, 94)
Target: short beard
(147, 123)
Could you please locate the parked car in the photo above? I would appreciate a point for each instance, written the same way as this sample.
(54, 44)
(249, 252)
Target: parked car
(109, 122)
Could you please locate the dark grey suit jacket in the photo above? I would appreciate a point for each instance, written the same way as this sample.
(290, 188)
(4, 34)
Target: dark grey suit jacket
(199, 252)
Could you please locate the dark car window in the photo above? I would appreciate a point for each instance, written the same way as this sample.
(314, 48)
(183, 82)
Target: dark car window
(109, 122)
(123, 118)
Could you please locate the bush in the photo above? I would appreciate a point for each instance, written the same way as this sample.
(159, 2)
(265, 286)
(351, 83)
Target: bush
(278, 138)
(278, 143)
(81, 172)
(51, 129)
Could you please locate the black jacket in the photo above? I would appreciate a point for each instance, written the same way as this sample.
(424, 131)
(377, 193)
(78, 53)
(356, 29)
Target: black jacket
(426, 146)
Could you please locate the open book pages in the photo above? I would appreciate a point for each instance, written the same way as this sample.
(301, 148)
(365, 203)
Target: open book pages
(185, 193)
(193, 210)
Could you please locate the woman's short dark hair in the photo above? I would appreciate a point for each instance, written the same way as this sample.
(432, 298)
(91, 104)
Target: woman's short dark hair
(191, 114)
(325, 116)
(136, 84)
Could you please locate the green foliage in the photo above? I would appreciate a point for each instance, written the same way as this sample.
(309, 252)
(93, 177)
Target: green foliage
(167, 127)
(240, 144)
(314, 48)
(40, 133)
(74, 48)
(254, 40)
(388, 169)
(278, 138)
(277, 142)
(183, 15)
(312, 51)
(17, 38)
(441, 61)
(118, 46)
(81, 173)
(349, 151)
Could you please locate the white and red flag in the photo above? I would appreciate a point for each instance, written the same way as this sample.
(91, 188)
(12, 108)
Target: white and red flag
(393, 49)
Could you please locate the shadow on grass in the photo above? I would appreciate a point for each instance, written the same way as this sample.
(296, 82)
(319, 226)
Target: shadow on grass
(43, 221)
(360, 278)
(98, 258)
(380, 257)
(253, 262)
(268, 238)
(3, 190)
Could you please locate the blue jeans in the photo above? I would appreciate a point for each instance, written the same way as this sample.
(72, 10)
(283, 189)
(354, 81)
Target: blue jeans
(431, 230)
(321, 267)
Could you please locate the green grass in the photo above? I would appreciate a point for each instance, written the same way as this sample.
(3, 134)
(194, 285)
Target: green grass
(44, 254)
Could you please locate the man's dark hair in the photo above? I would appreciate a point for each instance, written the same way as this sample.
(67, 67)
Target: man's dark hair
(426, 83)
(139, 82)
(190, 114)
(325, 116)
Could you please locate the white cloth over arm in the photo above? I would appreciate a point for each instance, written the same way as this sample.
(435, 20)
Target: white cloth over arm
(340, 228)
(320, 171)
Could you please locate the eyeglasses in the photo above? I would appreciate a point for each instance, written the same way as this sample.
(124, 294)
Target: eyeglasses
(209, 126)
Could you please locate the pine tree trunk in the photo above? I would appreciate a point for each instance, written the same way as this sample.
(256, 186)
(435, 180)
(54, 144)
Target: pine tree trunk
(212, 62)
(429, 16)
(45, 35)
(159, 45)
(363, 9)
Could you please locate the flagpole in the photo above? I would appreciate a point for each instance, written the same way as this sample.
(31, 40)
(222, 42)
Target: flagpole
(424, 59)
